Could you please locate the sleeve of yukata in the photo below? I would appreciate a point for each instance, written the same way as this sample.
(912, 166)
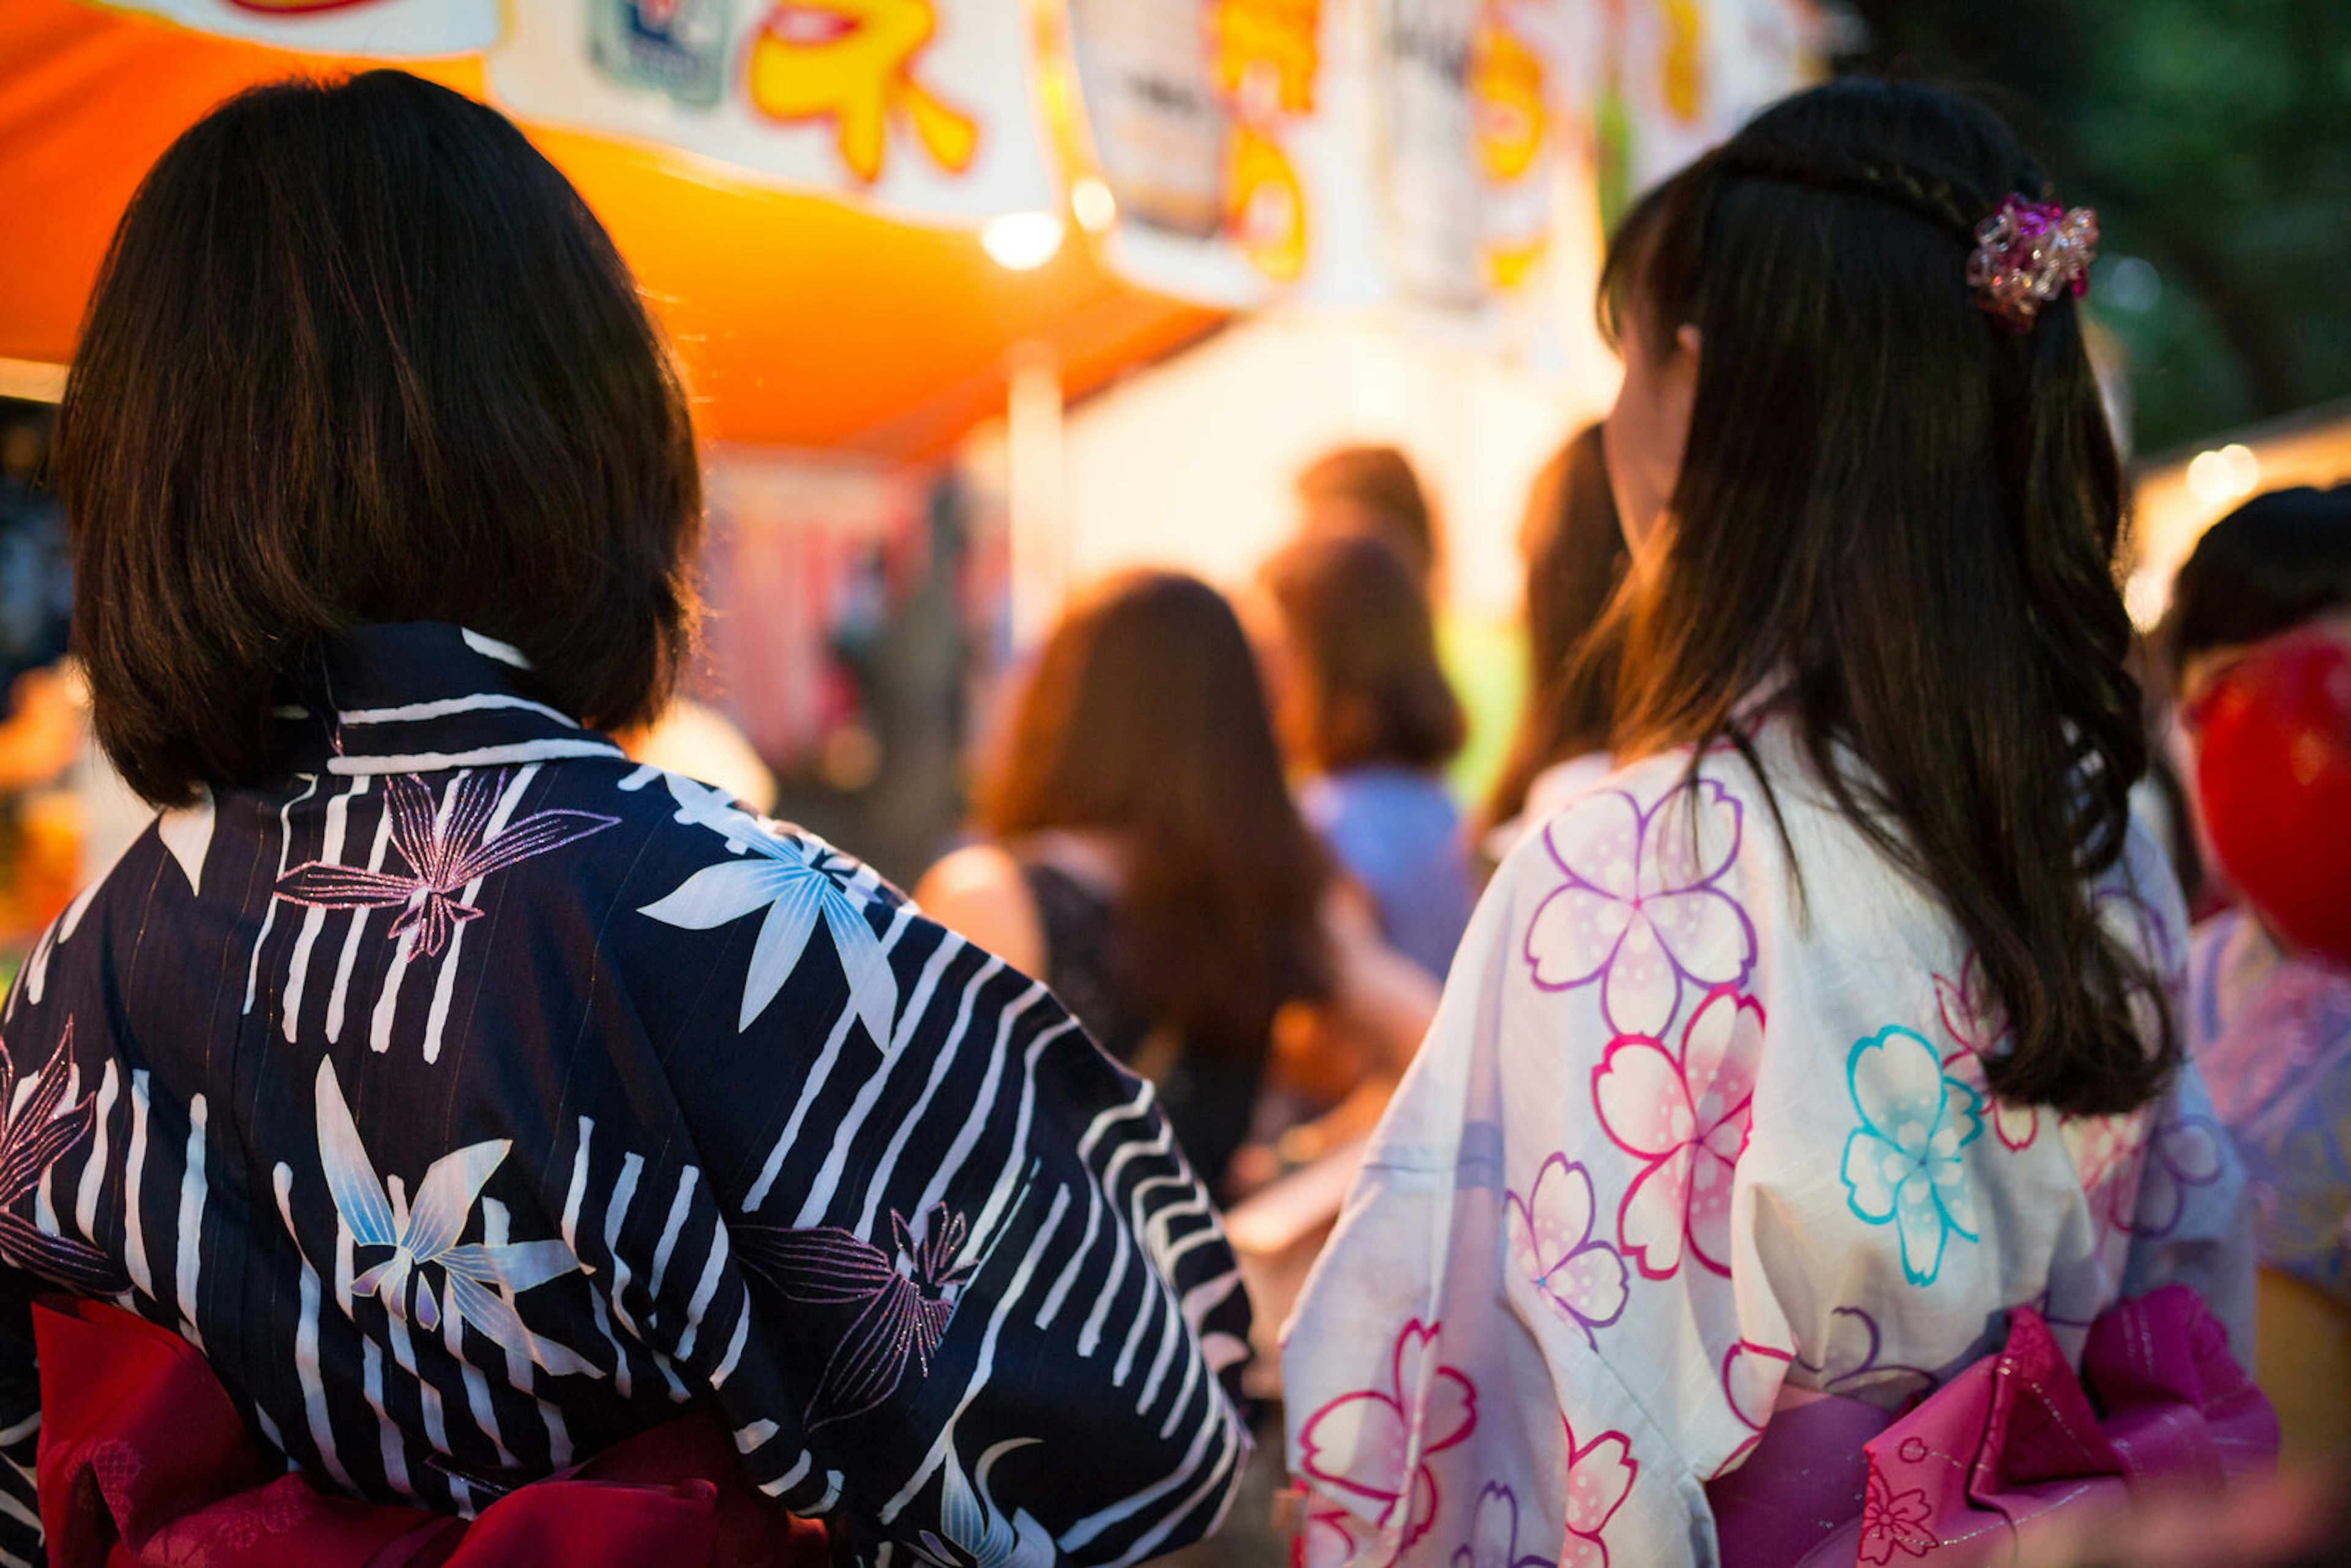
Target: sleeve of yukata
(2193, 1223)
(1541, 1322)
(20, 1422)
(952, 1282)
(53, 1192)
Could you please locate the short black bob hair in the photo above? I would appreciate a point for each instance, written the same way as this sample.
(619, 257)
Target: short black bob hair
(359, 354)
(2278, 560)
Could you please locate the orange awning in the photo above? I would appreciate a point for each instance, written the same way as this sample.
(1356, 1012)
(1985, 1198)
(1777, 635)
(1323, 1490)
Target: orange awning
(801, 322)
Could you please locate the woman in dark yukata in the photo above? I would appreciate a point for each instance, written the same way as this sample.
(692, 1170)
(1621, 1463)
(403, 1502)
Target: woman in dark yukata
(462, 1102)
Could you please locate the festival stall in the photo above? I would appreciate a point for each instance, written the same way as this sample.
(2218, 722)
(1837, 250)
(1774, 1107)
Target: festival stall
(852, 211)
(978, 298)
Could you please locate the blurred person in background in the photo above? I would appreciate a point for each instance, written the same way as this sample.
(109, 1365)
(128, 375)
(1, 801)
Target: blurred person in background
(452, 1100)
(1821, 1056)
(2269, 1020)
(1371, 491)
(698, 740)
(1364, 712)
(36, 581)
(1574, 553)
(42, 726)
(1374, 491)
(1143, 855)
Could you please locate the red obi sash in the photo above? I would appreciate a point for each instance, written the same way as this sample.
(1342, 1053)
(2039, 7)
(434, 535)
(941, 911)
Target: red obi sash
(144, 1462)
(1965, 1474)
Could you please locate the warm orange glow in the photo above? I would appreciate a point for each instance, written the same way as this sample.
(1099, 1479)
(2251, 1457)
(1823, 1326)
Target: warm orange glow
(800, 321)
(1270, 40)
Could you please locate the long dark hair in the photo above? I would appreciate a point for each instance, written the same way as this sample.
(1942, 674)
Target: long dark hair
(1901, 518)
(1145, 717)
(1575, 557)
(360, 353)
(1371, 690)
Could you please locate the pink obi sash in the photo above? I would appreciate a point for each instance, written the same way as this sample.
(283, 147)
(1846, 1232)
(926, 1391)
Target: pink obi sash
(1967, 1471)
(144, 1461)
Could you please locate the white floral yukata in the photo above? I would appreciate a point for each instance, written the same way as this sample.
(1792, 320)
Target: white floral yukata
(1684, 1143)
(473, 1099)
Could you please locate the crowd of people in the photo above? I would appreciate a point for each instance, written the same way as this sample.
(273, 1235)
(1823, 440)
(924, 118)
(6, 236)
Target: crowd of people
(1794, 1118)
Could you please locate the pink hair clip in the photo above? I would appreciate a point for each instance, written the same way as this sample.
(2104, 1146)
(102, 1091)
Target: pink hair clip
(2025, 253)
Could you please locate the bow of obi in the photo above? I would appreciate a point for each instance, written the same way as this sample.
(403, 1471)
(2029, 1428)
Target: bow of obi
(144, 1461)
(1977, 1469)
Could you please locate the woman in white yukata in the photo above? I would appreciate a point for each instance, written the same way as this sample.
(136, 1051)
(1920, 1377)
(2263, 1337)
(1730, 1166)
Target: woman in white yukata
(1828, 1044)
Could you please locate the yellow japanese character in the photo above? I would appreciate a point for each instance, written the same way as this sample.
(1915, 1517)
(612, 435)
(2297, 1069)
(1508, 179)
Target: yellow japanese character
(1268, 40)
(1684, 63)
(1508, 266)
(1265, 206)
(1506, 98)
(853, 62)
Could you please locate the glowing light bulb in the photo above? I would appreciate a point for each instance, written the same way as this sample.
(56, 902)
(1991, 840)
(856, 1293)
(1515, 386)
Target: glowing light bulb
(2223, 475)
(1091, 200)
(1022, 242)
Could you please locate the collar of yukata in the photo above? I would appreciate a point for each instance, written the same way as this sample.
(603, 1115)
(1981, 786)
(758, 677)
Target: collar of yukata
(419, 696)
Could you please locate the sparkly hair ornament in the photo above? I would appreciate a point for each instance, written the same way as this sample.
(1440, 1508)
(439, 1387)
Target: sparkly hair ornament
(2026, 253)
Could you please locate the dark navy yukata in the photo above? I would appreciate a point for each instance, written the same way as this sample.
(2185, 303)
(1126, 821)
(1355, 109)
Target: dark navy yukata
(474, 1098)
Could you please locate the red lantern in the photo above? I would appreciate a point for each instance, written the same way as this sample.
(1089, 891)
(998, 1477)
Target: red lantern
(2275, 773)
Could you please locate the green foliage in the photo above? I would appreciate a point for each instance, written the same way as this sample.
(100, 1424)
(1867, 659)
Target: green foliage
(2214, 138)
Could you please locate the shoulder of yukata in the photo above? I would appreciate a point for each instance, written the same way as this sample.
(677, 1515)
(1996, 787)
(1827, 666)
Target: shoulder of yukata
(692, 819)
(795, 883)
(1639, 889)
(1533, 861)
(2139, 900)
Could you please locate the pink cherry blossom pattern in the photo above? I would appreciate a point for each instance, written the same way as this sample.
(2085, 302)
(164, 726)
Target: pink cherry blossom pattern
(1600, 1476)
(1327, 1540)
(1375, 1444)
(1642, 909)
(2180, 1154)
(1686, 1118)
(2106, 1153)
(1494, 1534)
(1894, 1521)
(1551, 1243)
(1977, 1026)
(1850, 1363)
(1752, 1375)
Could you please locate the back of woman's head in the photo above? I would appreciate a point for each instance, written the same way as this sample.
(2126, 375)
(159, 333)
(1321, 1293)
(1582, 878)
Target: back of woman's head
(1146, 717)
(1372, 490)
(2279, 560)
(360, 353)
(1575, 557)
(1898, 513)
(1369, 688)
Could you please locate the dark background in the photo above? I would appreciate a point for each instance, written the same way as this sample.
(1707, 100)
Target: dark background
(2214, 139)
